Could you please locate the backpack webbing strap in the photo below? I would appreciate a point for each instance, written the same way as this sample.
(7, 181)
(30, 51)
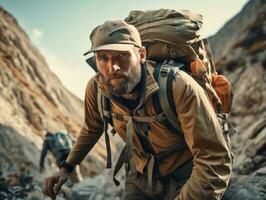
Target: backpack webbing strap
(162, 82)
(120, 161)
(131, 172)
(102, 103)
(108, 146)
(208, 50)
(159, 117)
(150, 172)
(155, 157)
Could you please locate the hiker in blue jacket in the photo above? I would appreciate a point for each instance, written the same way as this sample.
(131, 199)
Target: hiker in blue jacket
(59, 144)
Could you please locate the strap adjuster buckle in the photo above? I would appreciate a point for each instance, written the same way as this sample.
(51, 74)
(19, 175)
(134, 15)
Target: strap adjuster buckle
(164, 71)
(118, 116)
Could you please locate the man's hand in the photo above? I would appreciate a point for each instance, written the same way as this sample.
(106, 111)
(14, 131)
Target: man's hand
(52, 184)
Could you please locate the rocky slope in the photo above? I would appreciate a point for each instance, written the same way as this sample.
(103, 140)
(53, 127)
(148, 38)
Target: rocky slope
(33, 101)
(240, 53)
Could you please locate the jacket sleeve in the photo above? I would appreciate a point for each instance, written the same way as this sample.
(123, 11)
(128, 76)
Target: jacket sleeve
(212, 162)
(71, 138)
(92, 128)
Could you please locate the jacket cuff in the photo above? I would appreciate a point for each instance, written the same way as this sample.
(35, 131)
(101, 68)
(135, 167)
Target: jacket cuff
(70, 168)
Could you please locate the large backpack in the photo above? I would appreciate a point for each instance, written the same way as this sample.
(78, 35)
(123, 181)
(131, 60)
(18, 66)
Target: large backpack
(170, 35)
(173, 39)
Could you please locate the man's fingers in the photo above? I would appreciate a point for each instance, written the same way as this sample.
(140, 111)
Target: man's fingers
(59, 185)
(50, 187)
(53, 184)
(45, 186)
(57, 188)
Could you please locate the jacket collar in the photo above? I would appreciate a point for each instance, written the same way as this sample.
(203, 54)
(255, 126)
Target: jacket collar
(151, 85)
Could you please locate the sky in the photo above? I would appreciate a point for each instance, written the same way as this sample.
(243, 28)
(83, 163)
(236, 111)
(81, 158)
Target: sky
(61, 28)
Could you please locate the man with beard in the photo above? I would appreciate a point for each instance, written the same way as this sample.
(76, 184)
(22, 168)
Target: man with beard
(156, 166)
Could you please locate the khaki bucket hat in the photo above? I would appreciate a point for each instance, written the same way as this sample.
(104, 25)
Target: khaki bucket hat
(114, 35)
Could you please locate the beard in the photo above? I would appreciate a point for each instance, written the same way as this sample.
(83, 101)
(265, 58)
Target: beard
(121, 83)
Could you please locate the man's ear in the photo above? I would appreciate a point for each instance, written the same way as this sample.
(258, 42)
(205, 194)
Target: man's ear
(142, 53)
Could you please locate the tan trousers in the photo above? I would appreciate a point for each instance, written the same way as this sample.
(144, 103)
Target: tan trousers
(137, 189)
(163, 188)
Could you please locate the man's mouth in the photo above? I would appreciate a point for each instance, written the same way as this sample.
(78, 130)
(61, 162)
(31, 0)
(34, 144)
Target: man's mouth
(117, 77)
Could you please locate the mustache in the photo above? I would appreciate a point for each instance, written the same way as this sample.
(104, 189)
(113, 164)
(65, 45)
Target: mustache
(114, 75)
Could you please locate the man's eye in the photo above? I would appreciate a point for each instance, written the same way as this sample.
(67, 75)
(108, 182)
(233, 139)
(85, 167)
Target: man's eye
(122, 55)
(102, 58)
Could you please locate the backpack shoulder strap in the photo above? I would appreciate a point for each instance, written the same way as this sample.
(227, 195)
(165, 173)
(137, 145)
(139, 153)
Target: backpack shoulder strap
(103, 104)
(104, 107)
(165, 72)
(164, 75)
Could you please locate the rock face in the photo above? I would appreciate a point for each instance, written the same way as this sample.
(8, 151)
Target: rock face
(97, 188)
(246, 187)
(240, 53)
(11, 141)
(243, 30)
(32, 97)
(33, 101)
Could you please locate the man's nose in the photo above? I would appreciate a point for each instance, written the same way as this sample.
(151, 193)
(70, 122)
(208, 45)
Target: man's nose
(112, 66)
(115, 67)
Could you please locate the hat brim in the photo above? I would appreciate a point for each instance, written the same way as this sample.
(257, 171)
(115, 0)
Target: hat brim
(115, 47)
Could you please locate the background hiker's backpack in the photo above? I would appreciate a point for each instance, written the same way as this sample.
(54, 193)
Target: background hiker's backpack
(60, 141)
